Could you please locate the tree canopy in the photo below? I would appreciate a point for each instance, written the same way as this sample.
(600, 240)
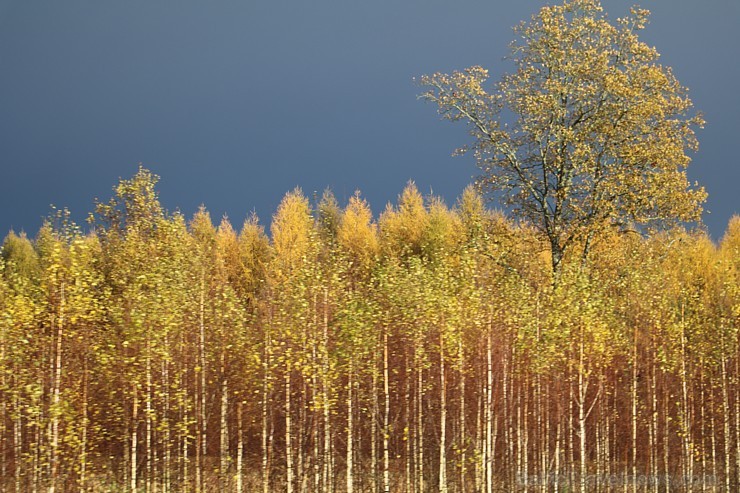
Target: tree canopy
(426, 348)
(589, 133)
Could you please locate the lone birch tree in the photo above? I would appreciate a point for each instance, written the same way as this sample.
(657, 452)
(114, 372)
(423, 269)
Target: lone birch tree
(589, 133)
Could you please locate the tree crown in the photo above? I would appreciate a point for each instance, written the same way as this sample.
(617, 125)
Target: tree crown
(588, 133)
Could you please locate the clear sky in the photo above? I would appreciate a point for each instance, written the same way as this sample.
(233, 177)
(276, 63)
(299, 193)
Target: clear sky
(234, 103)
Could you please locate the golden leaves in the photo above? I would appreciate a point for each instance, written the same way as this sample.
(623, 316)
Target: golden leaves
(599, 125)
(357, 234)
(291, 231)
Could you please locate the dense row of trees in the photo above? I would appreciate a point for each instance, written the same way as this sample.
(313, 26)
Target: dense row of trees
(437, 349)
(427, 351)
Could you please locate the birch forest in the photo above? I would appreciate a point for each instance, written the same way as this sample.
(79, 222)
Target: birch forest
(426, 350)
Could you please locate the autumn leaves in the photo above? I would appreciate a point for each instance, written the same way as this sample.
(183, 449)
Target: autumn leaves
(427, 350)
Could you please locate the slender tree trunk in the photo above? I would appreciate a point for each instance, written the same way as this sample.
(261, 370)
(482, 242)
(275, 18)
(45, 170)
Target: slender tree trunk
(420, 427)
(56, 391)
(386, 418)
(328, 472)
(582, 389)
(240, 448)
(197, 441)
(374, 430)
(167, 423)
(653, 416)
(409, 437)
(737, 415)
(508, 426)
(494, 438)
(557, 257)
(713, 440)
(4, 394)
(558, 441)
(478, 437)
(288, 435)
(414, 422)
(442, 487)
(224, 428)
(541, 429)
(525, 430)
(726, 422)
(599, 450)
(613, 444)
(519, 475)
(148, 416)
(299, 435)
(633, 454)
(317, 457)
(463, 441)
(702, 430)
(318, 349)
(265, 412)
(17, 442)
(570, 464)
(350, 426)
(185, 457)
(203, 415)
(84, 425)
(582, 438)
(37, 448)
(666, 432)
(488, 455)
(134, 439)
(688, 456)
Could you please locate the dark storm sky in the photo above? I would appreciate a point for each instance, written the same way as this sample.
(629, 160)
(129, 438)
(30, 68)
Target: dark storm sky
(234, 103)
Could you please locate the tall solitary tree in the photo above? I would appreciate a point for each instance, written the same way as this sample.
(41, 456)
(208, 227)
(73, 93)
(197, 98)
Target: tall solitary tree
(590, 132)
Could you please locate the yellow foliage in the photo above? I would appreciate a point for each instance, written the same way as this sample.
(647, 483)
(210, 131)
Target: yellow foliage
(291, 232)
(357, 234)
(601, 134)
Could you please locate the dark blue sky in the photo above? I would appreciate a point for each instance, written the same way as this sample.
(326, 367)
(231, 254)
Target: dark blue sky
(234, 103)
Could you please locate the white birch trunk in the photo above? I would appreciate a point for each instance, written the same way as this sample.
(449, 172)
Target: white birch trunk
(56, 391)
(288, 435)
(558, 441)
(17, 442)
(374, 432)
(488, 455)
(478, 437)
(328, 472)
(463, 438)
(633, 453)
(84, 425)
(265, 415)
(737, 414)
(350, 426)
(582, 415)
(148, 417)
(442, 486)
(386, 418)
(726, 422)
(224, 439)
(239, 449)
(653, 419)
(201, 441)
(419, 428)
(688, 455)
(134, 441)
